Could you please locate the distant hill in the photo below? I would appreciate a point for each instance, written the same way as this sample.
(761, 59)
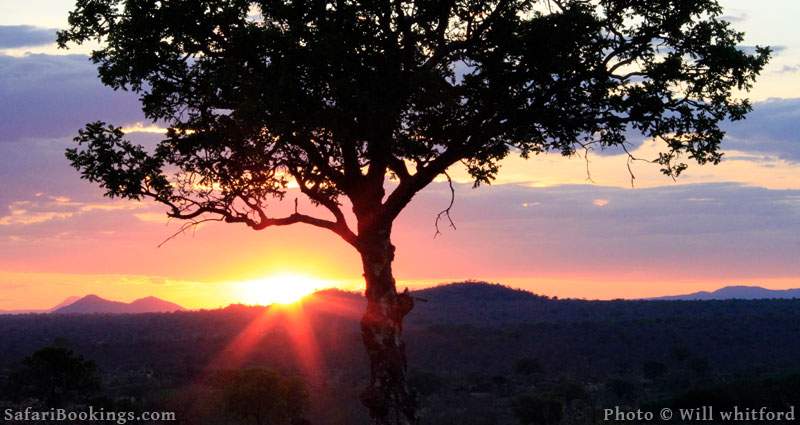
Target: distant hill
(470, 291)
(153, 304)
(478, 303)
(461, 302)
(490, 304)
(735, 292)
(95, 304)
(487, 305)
(66, 302)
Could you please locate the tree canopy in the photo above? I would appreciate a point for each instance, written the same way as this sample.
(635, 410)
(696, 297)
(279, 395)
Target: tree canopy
(338, 95)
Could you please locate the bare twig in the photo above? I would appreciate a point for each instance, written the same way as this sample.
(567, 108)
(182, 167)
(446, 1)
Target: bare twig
(586, 149)
(446, 212)
(630, 160)
(192, 224)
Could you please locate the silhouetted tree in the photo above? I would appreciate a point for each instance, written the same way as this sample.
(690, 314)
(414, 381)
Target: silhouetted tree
(426, 383)
(340, 96)
(296, 395)
(537, 410)
(653, 370)
(55, 375)
(777, 391)
(700, 366)
(527, 366)
(622, 388)
(680, 353)
(570, 390)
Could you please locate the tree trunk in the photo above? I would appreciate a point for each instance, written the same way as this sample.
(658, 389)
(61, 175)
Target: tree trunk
(387, 397)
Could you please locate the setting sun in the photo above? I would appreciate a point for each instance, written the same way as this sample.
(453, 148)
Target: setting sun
(279, 289)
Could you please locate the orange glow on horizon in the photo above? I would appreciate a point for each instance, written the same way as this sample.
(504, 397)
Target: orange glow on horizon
(284, 288)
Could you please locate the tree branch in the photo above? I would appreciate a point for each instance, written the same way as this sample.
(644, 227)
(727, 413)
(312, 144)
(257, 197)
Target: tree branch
(406, 190)
(398, 166)
(443, 51)
(341, 228)
(231, 216)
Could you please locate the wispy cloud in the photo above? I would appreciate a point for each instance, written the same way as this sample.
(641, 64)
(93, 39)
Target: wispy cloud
(151, 217)
(699, 231)
(43, 209)
(788, 69)
(773, 127)
(735, 16)
(776, 49)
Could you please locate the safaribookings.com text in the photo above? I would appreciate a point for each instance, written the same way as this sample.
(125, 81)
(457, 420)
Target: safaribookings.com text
(90, 414)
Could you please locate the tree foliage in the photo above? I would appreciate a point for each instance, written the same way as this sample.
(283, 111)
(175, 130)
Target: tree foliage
(55, 375)
(336, 95)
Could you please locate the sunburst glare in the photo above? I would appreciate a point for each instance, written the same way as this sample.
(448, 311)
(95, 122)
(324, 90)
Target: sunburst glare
(283, 288)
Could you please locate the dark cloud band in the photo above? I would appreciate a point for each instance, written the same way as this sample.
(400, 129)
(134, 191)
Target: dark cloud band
(15, 36)
(772, 128)
(46, 96)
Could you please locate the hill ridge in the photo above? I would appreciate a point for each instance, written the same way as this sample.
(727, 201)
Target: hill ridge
(745, 292)
(92, 303)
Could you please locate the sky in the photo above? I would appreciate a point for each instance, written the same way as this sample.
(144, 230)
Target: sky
(543, 226)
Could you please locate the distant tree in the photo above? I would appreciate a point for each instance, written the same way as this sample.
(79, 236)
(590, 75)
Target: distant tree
(570, 390)
(263, 396)
(537, 410)
(527, 366)
(297, 400)
(653, 370)
(56, 376)
(622, 388)
(777, 391)
(700, 366)
(426, 383)
(340, 97)
(680, 353)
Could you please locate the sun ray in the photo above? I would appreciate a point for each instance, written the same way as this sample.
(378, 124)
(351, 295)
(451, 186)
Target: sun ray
(304, 341)
(241, 346)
